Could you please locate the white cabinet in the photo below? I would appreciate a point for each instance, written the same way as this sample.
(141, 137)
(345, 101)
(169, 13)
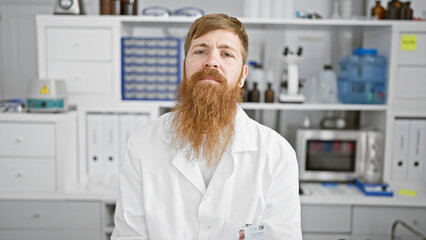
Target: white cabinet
(376, 222)
(326, 219)
(83, 53)
(39, 220)
(38, 152)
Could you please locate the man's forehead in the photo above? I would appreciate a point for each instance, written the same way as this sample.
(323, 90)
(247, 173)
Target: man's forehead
(220, 37)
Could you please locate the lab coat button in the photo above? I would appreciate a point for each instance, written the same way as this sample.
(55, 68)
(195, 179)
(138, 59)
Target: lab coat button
(205, 227)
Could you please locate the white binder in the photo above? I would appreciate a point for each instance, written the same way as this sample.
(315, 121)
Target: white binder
(400, 149)
(111, 143)
(416, 154)
(127, 127)
(141, 120)
(94, 144)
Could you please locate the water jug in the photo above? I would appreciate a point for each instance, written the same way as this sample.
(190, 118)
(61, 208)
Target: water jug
(362, 77)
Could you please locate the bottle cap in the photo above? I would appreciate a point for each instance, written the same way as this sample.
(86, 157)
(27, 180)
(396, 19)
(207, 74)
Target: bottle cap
(328, 67)
(365, 51)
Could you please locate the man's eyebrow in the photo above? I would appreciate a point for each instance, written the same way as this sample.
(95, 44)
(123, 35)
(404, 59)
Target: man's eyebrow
(223, 46)
(200, 45)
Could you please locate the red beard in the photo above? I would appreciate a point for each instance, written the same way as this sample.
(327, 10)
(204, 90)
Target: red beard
(204, 116)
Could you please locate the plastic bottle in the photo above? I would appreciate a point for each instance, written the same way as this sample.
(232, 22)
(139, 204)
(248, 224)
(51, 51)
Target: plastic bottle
(362, 77)
(328, 85)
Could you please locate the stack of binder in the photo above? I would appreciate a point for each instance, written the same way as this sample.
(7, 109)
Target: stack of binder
(107, 135)
(409, 142)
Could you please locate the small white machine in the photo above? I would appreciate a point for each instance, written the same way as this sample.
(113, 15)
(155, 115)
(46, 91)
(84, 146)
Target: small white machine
(47, 95)
(292, 95)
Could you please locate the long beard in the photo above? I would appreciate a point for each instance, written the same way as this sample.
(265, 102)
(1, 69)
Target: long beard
(204, 116)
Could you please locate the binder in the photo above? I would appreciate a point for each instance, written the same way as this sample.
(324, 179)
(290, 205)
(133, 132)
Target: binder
(127, 127)
(400, 149)
(94, 144)
(141, 120)
(110, 143)
(416, 153)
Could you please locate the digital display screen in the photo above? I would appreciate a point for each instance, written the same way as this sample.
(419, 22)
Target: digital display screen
(335, 155)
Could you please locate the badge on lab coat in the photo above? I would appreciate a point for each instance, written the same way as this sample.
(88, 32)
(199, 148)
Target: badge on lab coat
(256, 232)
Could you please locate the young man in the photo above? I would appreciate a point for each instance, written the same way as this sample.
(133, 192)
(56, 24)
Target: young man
(206, 170)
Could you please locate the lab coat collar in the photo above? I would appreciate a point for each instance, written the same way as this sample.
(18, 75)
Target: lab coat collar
(244, 140)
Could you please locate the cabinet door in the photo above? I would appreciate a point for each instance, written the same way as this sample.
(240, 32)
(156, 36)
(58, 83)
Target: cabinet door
(326, 237)
(18, 49)
(47, 234)
(326, 219)
(27, 139)
(55, 215)
(377, 221)
(27, 175)
(416, 53)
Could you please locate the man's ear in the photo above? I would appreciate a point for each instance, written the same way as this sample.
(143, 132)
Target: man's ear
(244, 73)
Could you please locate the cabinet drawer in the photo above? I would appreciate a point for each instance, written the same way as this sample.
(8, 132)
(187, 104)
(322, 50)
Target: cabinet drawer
(22, 139)
(416, 56)
(79, 44)
(411, 83)
(49, 215)
(83, 78)
(44, 234)
(338, 219)
(27, 175)
(326, 237)
(379, 220)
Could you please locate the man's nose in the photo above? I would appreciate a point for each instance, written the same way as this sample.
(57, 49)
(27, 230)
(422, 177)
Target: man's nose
(211, 62)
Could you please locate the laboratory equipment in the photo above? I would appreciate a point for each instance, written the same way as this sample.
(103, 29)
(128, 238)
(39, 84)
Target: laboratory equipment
(47, 95)
(292, 94)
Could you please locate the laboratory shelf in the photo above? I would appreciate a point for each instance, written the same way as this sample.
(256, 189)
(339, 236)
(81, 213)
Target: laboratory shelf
(313, 106)
(296, 106)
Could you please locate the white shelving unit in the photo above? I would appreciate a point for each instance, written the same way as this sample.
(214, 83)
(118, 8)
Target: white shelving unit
(95, 90)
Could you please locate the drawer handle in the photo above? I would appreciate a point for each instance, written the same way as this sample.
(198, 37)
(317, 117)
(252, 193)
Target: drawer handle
(20, 175)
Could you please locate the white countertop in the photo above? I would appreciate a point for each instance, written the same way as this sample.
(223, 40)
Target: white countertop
(315, 194)
(349, 194)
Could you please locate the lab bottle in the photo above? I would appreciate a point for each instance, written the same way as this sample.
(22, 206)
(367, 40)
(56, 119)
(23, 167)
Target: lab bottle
(406, 11)
(378, 11)
(362, 77)
(254, 93)
(328, 85)
(269, 94)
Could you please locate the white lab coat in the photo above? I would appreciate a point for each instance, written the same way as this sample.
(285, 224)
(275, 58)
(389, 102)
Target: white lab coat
(163, 196)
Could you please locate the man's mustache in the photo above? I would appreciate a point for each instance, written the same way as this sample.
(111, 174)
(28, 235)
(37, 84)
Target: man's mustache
(207, 72)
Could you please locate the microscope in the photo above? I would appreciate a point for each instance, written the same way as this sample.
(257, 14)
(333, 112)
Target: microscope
(292, 94)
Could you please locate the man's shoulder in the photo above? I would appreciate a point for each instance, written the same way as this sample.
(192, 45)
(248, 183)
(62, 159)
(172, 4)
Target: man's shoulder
(154, 129)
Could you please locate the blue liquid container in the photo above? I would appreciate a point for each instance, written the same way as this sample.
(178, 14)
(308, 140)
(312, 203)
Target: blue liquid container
(362, 78)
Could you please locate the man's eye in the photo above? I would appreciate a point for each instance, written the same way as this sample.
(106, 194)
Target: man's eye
(227, 54)
(199, 52)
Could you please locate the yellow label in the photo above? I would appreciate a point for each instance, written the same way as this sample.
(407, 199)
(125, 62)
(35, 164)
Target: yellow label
(44, 90)
(408, 42)
(407, 192)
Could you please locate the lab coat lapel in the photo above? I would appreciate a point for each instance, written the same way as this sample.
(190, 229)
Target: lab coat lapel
(190, 171)
(243, 141)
